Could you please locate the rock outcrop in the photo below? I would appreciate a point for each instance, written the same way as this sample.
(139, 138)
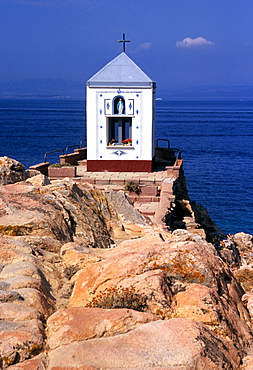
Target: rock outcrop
(173, 344)
(86, 283)
(12, 171)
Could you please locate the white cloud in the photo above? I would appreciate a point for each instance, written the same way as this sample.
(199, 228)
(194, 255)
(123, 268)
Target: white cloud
(143, 46)
(188, 42)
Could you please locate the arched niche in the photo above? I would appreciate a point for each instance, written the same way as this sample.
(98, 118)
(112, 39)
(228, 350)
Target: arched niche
(119, 106)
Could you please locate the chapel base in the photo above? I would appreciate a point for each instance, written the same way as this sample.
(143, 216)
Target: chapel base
(119, 166)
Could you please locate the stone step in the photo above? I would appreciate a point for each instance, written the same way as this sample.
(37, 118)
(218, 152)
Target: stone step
(101, 181)
(134, 197)
(108, 178)
(146, 208)
(148, 212)
(143, 199)
(76, 179)
(131, 196)
(112, 187)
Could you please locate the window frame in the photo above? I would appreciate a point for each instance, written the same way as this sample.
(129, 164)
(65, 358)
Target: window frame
(120, 130)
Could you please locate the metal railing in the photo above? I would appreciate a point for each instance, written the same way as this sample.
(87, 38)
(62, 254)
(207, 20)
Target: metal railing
(71, 146)
(178, 155)
(166, 140)
(81, 143)
(52, 151)
(80, 146)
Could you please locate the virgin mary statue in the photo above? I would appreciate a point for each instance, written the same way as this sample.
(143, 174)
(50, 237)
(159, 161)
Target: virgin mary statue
(120, 106)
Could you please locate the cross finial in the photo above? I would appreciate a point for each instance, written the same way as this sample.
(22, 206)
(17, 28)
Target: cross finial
(124, 42)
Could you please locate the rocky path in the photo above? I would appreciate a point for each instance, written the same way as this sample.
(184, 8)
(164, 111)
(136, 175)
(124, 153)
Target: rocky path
(86, 283)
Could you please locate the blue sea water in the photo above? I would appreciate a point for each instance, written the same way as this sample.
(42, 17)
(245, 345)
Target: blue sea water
(215, 138)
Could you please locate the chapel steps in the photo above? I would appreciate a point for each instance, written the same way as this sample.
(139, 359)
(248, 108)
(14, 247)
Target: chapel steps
(149, 186)
(155, 195)
(147, 200)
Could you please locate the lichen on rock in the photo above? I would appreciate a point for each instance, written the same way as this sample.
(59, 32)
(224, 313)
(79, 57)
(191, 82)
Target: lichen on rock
(12, 171)
(68, 249)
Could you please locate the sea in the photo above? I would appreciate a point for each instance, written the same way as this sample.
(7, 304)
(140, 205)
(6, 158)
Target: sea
(215, 137)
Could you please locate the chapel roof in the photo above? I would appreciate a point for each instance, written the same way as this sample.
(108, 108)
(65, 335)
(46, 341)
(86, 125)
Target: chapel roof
(120, 72)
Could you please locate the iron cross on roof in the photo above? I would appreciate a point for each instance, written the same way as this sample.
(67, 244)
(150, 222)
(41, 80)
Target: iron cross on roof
(124, 42)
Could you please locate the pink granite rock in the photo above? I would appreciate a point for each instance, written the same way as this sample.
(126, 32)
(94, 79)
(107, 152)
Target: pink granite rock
(17, 312)
(173, 344)
(179, 260)
(24, 302)
(74, 254)
(79, 323)
(59, 211)
(39, 180)
(74, 367)
(178, 278)
(247, 299)
(36, 299)
(19, 340)
(46, 245)
(244, 243)
(39, 364)
(36, 363)
(150, 289)
(19, 282)
(247, 363)
(11, 171)
(12, 256)
(21, 268)
(10, 243)
(201, 303)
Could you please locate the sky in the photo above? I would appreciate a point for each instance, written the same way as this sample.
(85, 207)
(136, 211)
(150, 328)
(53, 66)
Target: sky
(178, 43)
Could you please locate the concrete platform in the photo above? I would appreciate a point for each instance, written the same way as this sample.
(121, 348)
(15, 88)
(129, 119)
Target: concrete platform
(121, 178)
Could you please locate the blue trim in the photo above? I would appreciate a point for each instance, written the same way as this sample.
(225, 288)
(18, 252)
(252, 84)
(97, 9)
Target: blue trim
(119, 152)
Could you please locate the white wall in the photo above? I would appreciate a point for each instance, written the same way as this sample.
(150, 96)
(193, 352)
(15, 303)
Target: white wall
(97, 114)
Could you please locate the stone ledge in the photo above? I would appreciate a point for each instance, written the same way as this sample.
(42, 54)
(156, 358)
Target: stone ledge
(62, 172)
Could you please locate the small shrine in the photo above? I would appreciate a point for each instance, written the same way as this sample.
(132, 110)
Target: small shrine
(120, 118)
(122, 152)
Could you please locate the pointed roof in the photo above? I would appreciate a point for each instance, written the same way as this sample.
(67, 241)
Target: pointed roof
(120, 72)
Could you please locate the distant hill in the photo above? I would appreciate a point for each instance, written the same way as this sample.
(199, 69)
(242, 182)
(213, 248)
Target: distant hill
(42, 88)
(45, 87)
(212, 92)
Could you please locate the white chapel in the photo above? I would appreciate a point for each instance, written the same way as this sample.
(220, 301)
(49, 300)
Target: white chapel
(120, 121)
